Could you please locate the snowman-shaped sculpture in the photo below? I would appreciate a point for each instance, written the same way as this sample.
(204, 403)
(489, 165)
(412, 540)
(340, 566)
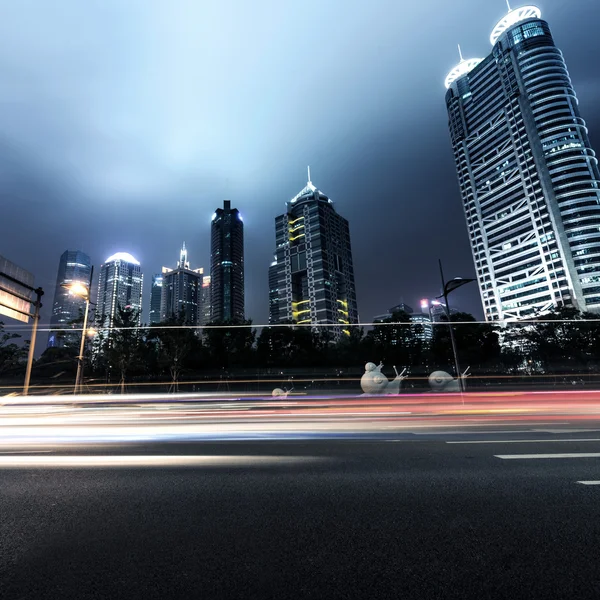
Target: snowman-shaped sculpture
(374, 382)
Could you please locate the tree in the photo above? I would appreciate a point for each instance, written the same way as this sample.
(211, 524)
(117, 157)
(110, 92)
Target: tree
(396, 341)
(122, 346)
(173, 344)
(12, 355)
(477, 344)
(563, 339)
(230, 343)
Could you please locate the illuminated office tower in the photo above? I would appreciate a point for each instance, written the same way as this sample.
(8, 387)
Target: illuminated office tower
(312, 277)
(74, 267)
(205, 310)
(120, 284)
(181, 291)
(527, 174)
(227, 264)
(155, 298)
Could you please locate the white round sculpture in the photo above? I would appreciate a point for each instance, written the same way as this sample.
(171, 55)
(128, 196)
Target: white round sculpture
(440, 381)
(374, 382)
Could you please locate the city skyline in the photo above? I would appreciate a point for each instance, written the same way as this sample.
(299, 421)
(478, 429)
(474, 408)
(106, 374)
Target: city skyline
(393, 89)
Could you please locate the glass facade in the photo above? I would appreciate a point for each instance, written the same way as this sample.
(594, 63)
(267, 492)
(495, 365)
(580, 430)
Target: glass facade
(155, 298)
(120, 284)
(527, 175)
(182, 292)
(312, 277)
(74, 267)
(227, 265)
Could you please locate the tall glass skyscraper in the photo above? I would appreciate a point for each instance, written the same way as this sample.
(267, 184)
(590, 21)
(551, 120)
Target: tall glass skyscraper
(205, 310)
(155, 298)
(527, 174)
(181, 291)
(227, 264)
(120, 284)
(312, 277)
(74, 267)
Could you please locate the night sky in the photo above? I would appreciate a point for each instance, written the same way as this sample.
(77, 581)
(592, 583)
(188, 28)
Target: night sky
(125, 124)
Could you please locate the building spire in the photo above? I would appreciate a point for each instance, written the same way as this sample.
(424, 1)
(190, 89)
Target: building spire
(183, 258)
(460, 53)
(309, 181)
(508, 4)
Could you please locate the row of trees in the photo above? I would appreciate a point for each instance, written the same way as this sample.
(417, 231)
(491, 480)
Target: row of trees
(564, 340)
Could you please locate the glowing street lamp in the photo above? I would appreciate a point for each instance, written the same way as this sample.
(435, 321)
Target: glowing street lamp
(78, 289)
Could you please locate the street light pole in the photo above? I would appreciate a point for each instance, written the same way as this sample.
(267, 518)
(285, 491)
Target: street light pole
(79, 290)
(36, 318)
(78, 378)
(447, 287)
(452, 339)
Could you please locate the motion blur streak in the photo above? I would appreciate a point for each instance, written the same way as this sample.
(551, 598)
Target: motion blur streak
(20, 462)
(40, 423)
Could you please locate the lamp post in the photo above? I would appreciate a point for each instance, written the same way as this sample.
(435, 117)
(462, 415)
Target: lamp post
(447, 287)
(78, 289)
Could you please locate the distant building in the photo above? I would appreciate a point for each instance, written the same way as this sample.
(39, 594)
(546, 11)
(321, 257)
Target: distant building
(120, 284)
(74, 267)
(274, 292)
(528, 176)
(227, 264)
(436, 310)
(155, 298)
(312, 277)
(205, 309)
(181, 291)
(424, 319)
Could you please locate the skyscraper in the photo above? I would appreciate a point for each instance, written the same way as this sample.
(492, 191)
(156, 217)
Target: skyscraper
(312, 277)
(155, 298)
(74, 267)
(120, 284)
(227, 264)
(205, 301)
(527, 174)
(181, 291)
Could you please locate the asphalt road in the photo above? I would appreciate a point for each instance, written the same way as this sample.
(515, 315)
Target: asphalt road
(405, 515)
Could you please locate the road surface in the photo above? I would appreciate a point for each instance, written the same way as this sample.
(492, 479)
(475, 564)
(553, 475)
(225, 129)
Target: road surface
(173, 502)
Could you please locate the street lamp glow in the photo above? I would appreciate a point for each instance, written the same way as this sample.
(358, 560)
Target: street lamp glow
(78, 289)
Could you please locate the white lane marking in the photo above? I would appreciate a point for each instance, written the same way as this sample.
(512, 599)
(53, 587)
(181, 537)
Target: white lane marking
(523, 441)
(533, 456)
(141, 460)
(589, 482)
(563, 430)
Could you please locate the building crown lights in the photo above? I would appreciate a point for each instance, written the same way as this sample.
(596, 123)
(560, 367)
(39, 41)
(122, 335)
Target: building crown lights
(462, 68)
(124, 256)
(512, 18)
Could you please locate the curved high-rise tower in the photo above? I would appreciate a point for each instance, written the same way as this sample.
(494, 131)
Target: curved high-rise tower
(527, 174)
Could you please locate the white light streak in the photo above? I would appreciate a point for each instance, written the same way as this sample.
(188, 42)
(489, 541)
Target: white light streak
(119, 461)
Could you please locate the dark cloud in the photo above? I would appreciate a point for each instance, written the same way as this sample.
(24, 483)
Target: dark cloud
(124, 125)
